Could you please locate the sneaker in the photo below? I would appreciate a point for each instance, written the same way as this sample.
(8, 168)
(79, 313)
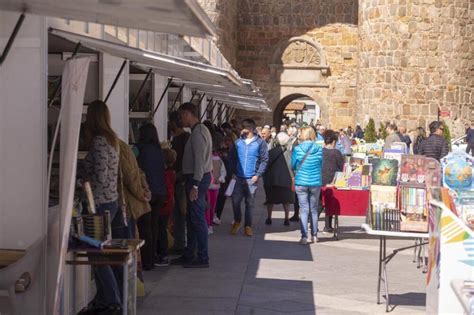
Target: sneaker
(268, 221)
(303, 241)
(314, 239)
(235, 228)
(248, 231)
(182, 260)
(286, 223)
(196, 264)
(294, 219)
(210, 230)
(162, 262)
(216, 220)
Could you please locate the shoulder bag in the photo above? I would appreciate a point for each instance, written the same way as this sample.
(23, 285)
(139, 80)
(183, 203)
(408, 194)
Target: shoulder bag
(293, 188)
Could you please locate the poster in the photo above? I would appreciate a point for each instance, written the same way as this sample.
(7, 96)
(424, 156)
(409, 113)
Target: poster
(72, 99)
(450, 258)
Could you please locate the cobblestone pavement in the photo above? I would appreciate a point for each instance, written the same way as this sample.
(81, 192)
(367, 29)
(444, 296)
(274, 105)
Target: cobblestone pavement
(271, 273)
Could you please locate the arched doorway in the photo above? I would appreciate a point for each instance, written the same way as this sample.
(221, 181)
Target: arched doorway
(304, 107)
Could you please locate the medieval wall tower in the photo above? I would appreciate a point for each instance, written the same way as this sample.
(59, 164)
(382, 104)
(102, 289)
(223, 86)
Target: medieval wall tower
(392, 60)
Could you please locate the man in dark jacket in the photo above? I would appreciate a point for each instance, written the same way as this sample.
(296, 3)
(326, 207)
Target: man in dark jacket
(248, 161)
(435, 146)
(404, 137)
(470, 140)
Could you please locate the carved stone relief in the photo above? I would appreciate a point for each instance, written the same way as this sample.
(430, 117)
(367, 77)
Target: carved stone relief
(301, 53)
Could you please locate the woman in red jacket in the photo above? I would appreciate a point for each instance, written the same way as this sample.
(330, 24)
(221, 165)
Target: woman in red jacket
(168, 207)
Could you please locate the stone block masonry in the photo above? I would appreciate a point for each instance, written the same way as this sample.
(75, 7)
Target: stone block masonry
(396, 60)
(416, 57)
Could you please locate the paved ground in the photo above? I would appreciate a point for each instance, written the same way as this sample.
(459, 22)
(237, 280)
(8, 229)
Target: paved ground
(271, 273)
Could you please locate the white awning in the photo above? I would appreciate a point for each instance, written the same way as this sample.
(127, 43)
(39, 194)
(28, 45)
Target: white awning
(222, 84)
(182, 17)
(164, 64)
(239, 101)
(247, 96)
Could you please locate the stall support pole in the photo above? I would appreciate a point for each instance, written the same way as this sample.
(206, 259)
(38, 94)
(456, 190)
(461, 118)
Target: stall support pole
(231, 114)
(124, 63)
(170, 80)
(192, 97)
(177, 97)
(12, 38)
(58, 87)
(142, 86)
(218, 114)
(207, 107)
(212, 110)
(201, 98)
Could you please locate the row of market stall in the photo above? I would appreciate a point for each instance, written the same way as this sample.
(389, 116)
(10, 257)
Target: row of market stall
(58, 57)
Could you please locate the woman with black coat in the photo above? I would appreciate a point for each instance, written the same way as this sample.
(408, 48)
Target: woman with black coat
(277, 178)
(151, 161)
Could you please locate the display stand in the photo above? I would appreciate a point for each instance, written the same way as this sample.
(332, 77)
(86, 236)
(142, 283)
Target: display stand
(451, 261)
(126, 257)
(384, 259)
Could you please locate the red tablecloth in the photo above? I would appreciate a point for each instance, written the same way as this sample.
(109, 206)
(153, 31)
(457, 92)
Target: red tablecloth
(345, 202)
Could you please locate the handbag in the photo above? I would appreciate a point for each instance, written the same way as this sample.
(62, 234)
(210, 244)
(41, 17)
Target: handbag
(293, 186)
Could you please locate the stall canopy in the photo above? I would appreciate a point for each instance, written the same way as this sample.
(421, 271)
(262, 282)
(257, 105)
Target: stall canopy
(225, 85)
(183, 17)
(239, 101)
(165, 64)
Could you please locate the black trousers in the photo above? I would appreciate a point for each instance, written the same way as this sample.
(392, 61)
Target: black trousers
(148, 230)
(162, 242)
(221, 198)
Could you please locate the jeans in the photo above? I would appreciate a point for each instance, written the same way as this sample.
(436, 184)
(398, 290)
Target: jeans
(243, 190)
(196, 222)
(109, 281)
(179, 216)
(308, 198)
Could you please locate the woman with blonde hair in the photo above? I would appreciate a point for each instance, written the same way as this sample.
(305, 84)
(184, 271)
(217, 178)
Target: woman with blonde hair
(306, 164)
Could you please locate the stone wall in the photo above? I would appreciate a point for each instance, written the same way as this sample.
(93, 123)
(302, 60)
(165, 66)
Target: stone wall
(416, 56)
(266, 26)
(224, 15)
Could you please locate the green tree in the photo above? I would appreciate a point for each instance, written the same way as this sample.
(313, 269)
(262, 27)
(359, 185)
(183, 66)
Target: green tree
(447, 134)
(370, 134)
(383, 131)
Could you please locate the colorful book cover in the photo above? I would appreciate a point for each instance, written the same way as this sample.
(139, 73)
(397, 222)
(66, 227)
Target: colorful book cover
(384, 195)
(384, 172)
(355, 180)
(340, 180)
(420, 170)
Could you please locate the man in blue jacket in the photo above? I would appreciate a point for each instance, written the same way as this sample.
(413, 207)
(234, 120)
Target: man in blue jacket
(248, 161)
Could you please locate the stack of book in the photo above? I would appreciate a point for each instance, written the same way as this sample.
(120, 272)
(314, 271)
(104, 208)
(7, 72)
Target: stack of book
(385, 219)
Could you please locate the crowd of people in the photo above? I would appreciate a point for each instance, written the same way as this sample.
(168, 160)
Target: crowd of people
(179, 188)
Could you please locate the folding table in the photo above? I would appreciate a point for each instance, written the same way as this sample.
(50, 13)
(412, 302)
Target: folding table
(384, 259)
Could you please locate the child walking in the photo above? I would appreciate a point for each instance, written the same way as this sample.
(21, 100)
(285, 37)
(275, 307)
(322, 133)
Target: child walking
(167, 209)
(218, 177)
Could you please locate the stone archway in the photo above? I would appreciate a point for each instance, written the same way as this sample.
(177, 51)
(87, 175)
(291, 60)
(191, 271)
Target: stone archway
(280, 107)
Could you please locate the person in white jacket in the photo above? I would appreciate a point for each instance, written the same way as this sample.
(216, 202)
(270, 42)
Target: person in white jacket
(219, 174)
